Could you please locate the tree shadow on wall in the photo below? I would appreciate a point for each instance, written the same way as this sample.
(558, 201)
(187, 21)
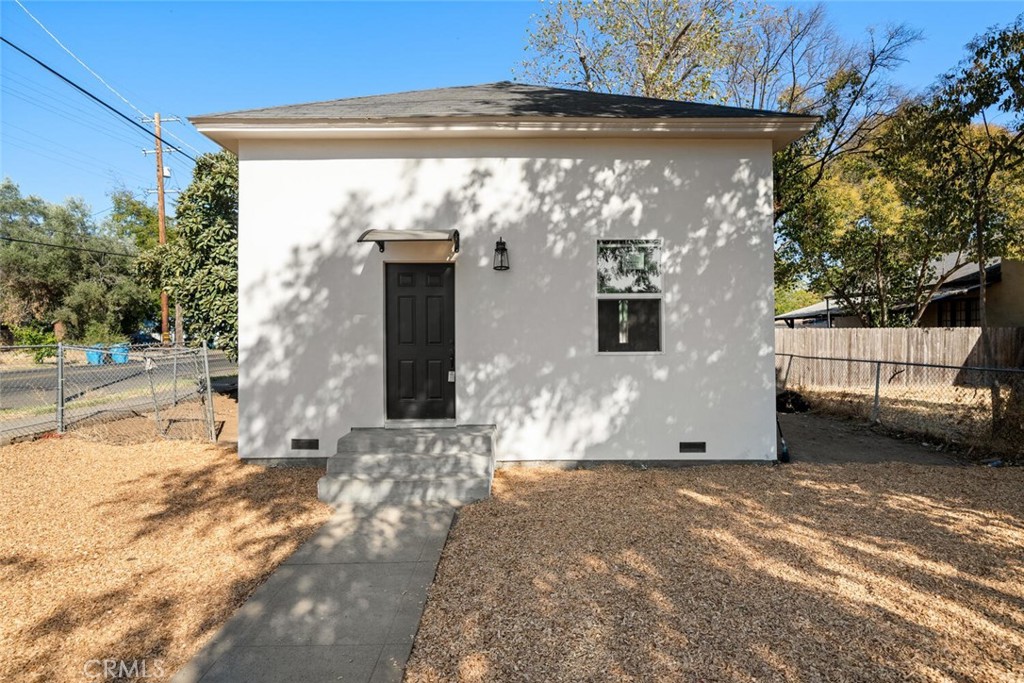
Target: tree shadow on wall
(320, 341)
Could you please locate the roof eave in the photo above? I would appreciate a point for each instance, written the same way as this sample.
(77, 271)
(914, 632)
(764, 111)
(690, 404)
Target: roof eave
(227, 131)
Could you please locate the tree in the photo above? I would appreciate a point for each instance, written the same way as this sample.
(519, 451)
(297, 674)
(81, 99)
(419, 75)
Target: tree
(784, 60)
(796, 62)
(671, 49)
(970, 169)
(135, 221)
(200, 268)
(56, 265)
(791, 298)
(877, 254)
(854, 241)
(941, 191)
(107, 307)
(963, 169)
(35, 279)
(922, 184)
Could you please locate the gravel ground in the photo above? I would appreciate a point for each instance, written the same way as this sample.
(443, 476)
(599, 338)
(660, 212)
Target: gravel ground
(852, 572)
(135, 551)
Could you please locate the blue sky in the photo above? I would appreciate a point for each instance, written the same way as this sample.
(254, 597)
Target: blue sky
(186, 58)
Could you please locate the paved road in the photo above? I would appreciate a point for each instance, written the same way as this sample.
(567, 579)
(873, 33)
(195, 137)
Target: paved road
(24, 388)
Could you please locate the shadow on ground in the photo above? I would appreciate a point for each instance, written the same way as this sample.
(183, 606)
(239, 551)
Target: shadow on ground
(886, 572)
(824, 439)
(135, 552)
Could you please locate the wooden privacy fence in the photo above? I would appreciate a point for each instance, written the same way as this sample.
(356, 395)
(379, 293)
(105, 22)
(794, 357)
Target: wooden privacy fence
(819, 349)
(933, 382)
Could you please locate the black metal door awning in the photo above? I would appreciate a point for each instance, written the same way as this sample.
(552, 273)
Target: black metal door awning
(381, 237)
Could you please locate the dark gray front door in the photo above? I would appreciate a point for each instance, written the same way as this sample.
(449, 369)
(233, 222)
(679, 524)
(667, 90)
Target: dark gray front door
(420, 331)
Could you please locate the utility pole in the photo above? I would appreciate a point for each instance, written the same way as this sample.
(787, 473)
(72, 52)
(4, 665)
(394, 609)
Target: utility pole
(161, 173)
(165, 333)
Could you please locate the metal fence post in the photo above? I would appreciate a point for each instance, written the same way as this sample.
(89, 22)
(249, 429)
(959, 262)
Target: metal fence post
(209, 395)
(60, 387)
(175, 376)
(878, 383)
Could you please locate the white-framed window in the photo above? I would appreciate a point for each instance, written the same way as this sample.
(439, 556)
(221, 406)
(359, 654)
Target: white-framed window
(629, 296)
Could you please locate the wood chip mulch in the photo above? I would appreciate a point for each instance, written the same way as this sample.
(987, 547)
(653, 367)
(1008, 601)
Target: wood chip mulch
(853, 572)
(135, 552)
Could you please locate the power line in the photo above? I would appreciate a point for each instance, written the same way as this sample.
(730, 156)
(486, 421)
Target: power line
(92, 97)
(67, 116)
(192, 147)
(47, 145)
(98, 77)
(76, 58)
(61, 108)
(75, 109)
(70, 233)
(65, 109)
(44, 140)
(46, 154)
(69, 248)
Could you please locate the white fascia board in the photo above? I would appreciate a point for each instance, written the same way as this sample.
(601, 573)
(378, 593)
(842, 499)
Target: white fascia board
(227, 133)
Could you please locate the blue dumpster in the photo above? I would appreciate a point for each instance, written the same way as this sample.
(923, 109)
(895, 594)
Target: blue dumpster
(94, 355)
(119, 353)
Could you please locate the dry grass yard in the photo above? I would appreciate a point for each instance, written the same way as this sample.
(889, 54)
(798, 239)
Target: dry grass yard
(135, 551)
(851, 572)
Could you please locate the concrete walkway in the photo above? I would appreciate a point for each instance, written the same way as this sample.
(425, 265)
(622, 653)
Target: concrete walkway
(344, 607)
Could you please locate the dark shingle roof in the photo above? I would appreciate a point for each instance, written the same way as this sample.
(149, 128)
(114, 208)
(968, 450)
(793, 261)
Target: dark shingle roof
(502, 100)
(960, 280)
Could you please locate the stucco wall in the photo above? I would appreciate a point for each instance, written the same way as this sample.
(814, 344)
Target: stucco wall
(311, 299)
(1005, 304)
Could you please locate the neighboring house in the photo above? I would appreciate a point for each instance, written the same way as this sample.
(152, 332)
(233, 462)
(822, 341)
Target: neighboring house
(633, 320)
(955, 304)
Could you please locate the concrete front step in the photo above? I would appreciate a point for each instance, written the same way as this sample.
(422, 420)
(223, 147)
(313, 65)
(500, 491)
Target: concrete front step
(452, 465)
(421, 440)
(410, 465)
(344, 490)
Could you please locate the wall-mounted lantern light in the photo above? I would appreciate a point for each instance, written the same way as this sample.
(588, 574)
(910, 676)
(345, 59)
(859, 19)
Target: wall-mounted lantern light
(500, 255)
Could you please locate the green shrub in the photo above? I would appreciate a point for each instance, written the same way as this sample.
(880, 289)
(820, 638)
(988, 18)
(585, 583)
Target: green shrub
(31, 336)
(98, 333)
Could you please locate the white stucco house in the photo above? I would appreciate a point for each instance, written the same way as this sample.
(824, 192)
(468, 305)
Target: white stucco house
(633, 321)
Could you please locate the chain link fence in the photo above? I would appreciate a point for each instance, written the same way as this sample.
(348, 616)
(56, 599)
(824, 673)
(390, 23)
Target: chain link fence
(976, 407)
(117, 394)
